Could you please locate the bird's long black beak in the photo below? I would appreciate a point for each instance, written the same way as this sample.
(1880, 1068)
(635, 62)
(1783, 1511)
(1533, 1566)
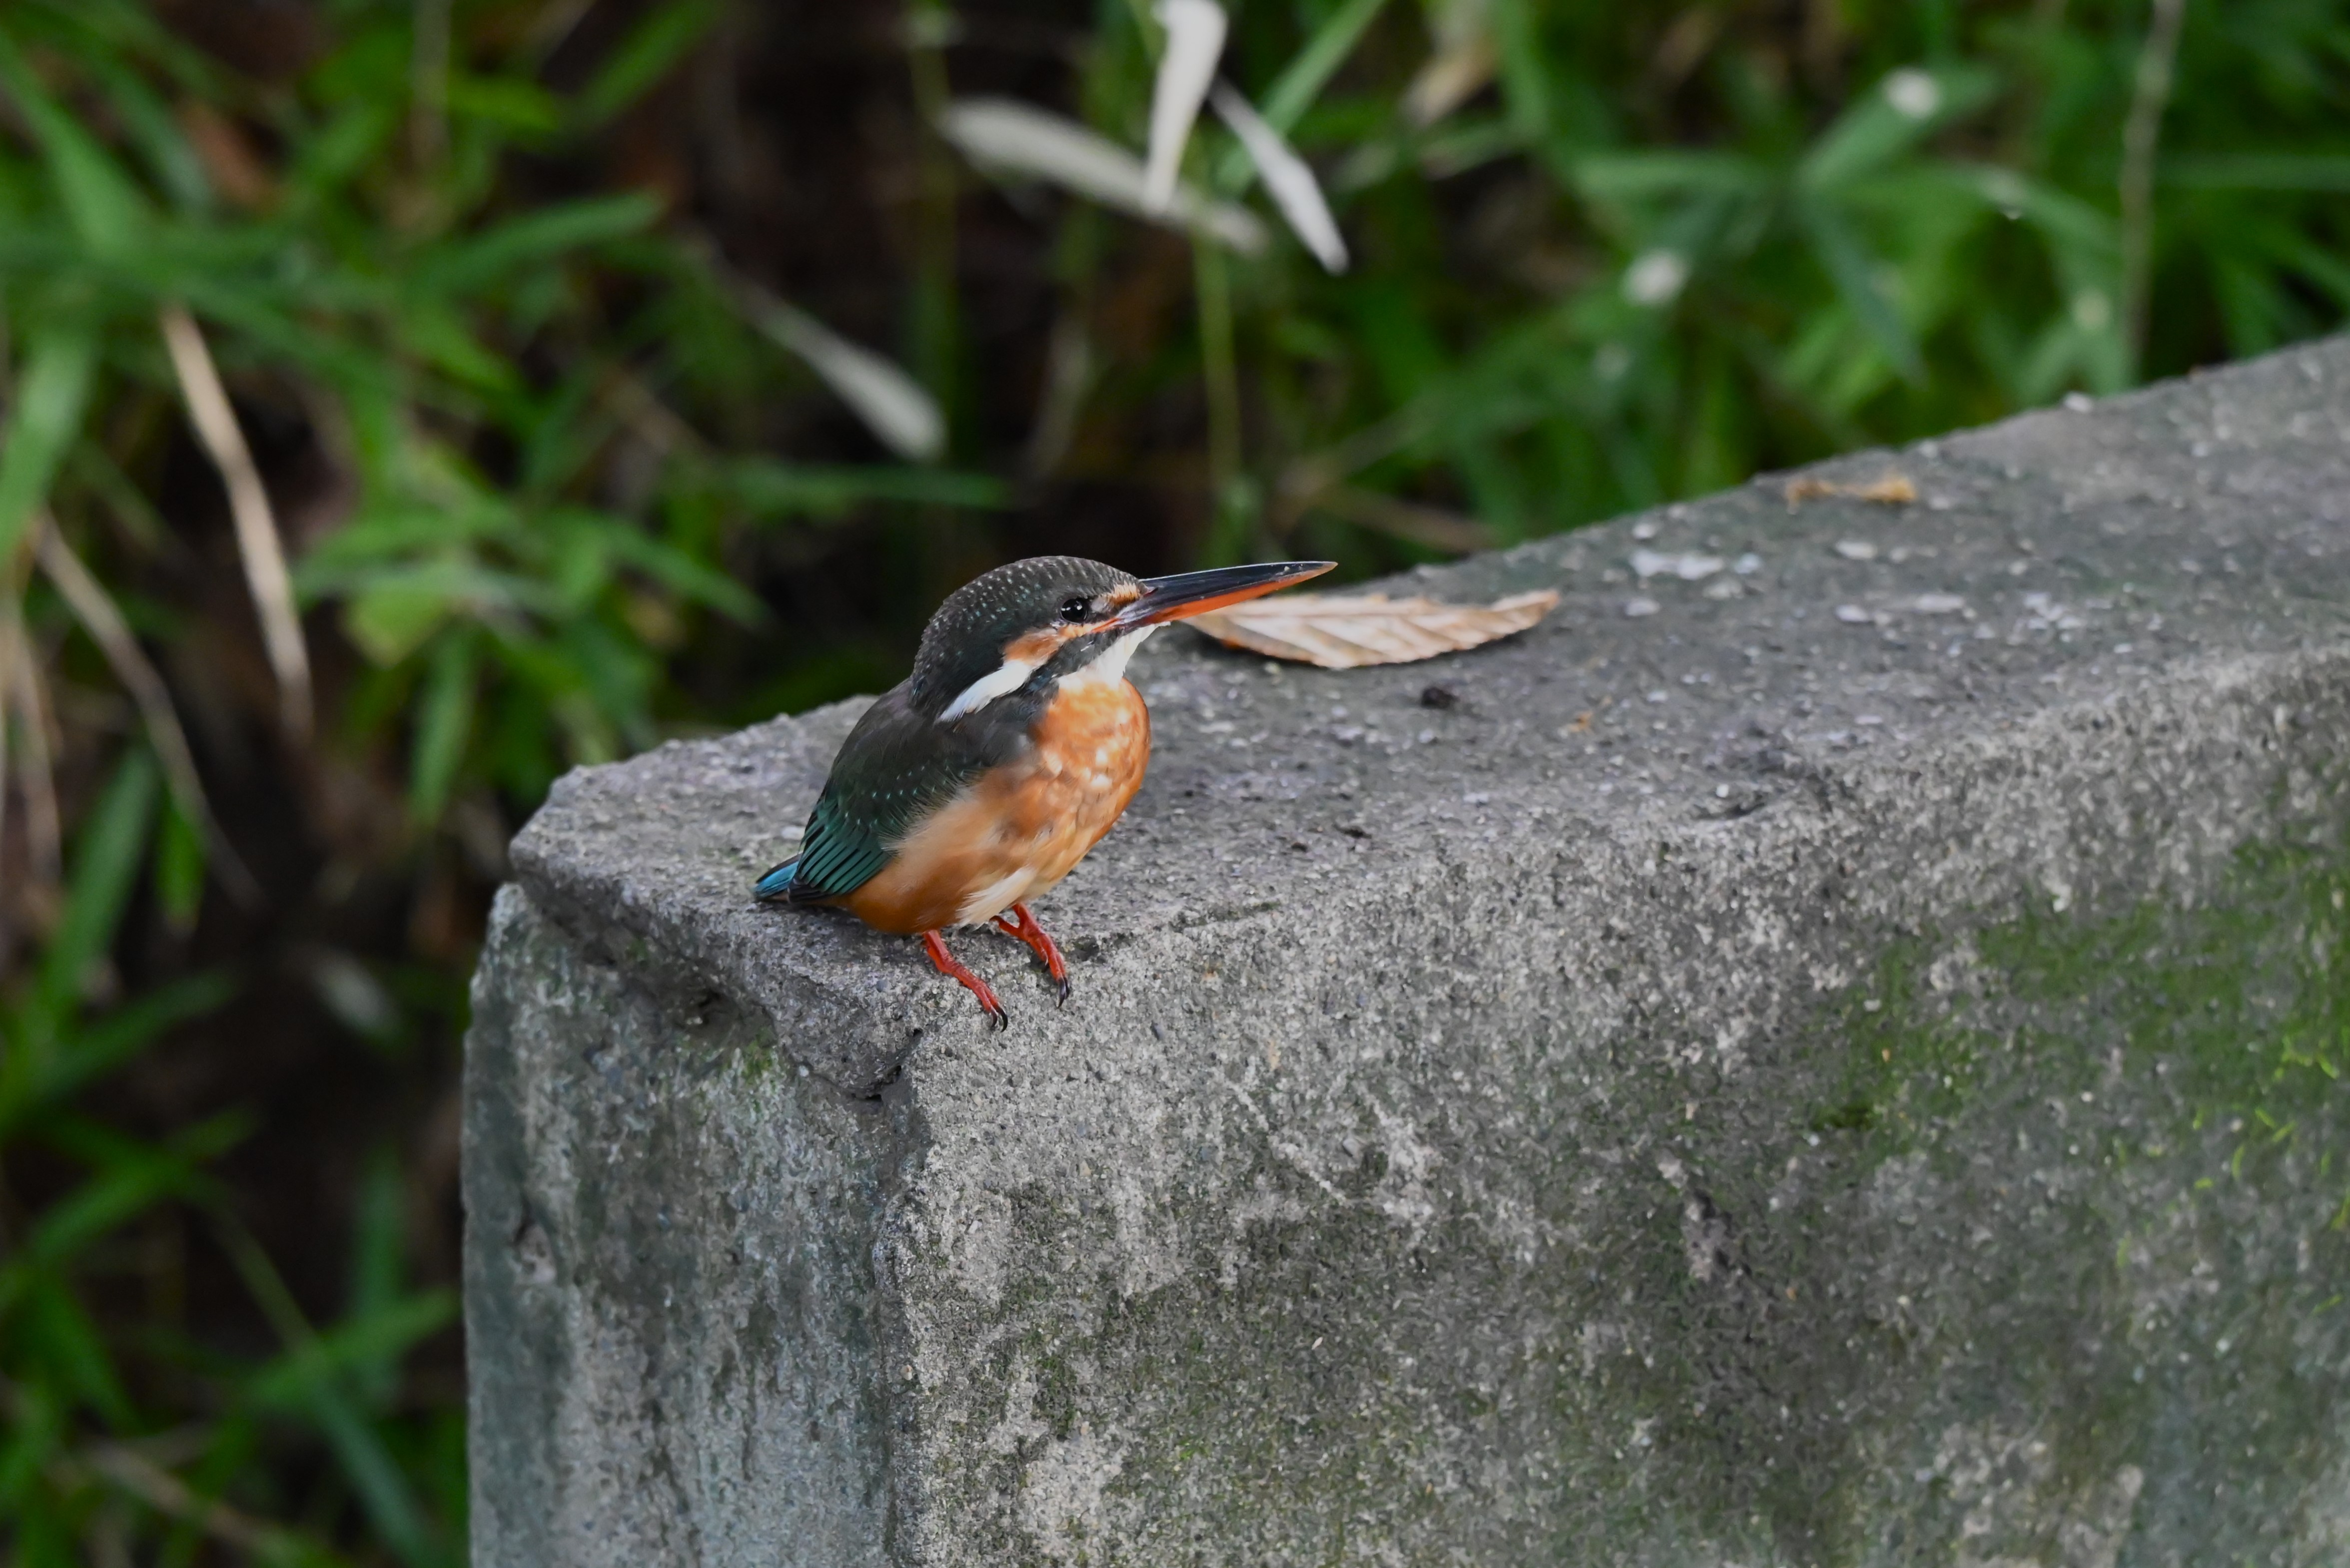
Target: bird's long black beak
(1193, 593)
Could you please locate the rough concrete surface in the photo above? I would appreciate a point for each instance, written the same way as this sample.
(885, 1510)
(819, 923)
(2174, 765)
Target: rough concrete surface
(1825, 1059)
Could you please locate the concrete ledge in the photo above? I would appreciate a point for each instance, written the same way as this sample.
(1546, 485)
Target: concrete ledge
(1829, 1059)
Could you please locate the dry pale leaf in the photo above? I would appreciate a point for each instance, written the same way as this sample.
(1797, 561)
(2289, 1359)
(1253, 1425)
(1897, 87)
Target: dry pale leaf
(1023, 140)
(1465, 59)
(248, 503)
(1287, 177)
(891, 403)
(1891, 489)
(1347, 631)
(1195, 41)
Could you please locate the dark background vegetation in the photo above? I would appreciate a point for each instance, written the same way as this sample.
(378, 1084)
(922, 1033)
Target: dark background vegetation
(495, 288)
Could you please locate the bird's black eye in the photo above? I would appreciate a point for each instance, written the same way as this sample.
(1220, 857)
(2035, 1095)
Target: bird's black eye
(1077, 609)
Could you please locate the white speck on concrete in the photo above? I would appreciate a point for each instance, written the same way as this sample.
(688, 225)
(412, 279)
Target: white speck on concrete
(1689, 568)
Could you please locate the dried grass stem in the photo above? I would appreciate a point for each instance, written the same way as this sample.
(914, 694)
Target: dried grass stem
(256, 524)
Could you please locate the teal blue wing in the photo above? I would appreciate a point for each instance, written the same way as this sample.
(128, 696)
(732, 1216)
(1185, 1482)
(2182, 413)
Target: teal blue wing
(837, 854)
(894, 769)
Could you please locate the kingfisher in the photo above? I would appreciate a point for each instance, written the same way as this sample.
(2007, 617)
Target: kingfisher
(977, 783)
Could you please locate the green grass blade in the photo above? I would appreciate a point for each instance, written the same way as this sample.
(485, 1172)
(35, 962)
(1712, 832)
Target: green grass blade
(676, 570)
(90, 1052)
(1301, 82)
(104, 204)
(57, 1330)
(365, 1343)
(383, 1491)
(1648, 175)
(774, 491)
(2322, 172)
(35, 1426)
(130, 1185)
(105, 863)
(52, 394)
(469, 266)
(647, 53)
(1890, 120)
(1853, 269)
(444, 720)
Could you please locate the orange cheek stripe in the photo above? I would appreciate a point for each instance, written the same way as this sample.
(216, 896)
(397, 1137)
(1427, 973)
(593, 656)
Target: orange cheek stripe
(1037, 647)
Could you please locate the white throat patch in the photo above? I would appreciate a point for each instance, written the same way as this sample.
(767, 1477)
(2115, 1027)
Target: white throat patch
(1003, 682)
(1111, 668)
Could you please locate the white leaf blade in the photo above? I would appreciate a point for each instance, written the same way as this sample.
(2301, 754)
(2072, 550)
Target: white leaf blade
(893, 404)
(1466, 56)
(1195, 41)
(1021, 139)
(1287, 177)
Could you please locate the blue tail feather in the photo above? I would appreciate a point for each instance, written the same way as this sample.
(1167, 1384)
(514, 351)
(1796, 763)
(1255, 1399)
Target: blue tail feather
(779, 882)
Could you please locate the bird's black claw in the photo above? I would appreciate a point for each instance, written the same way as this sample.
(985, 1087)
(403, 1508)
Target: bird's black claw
(1065, 991)
(1003, 1018)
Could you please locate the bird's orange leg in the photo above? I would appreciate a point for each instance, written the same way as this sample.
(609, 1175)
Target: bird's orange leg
(947, 964)
(1024, 924)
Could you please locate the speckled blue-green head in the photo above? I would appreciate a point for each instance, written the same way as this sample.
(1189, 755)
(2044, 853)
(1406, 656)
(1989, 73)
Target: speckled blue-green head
(1027, 625)
(1045, 605)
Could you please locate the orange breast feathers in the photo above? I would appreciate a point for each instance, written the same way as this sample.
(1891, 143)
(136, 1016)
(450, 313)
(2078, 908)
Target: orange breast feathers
(1018, 830)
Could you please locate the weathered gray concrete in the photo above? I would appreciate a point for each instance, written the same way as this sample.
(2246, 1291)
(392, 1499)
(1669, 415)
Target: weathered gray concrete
(1756, 1081)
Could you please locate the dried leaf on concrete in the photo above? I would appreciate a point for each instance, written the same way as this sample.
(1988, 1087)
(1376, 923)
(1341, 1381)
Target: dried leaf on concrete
(1347, 631)
(1888, 489)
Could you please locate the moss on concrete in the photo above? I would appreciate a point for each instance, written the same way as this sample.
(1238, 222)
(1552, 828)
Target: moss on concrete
(2043, 1262)
(1743, 1083)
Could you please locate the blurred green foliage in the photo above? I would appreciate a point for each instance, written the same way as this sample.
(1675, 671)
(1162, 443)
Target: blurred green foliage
(1603, 255)
(1675, 245)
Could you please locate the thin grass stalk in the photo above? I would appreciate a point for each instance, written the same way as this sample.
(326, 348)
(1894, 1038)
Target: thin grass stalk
(1219, 377)
(35, 777)
(928, 28)
(10, 611)
(395, 1517)
(554, 23)
(2141, 135)
(652, 421)
(141, 1479)
(1068, 375)
(256, 523)
(428, 66)
(1409, 520)
(91, 606)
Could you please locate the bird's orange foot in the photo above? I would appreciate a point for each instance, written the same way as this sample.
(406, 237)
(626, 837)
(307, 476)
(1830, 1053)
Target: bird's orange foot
(1020, 923)
(947, 964)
